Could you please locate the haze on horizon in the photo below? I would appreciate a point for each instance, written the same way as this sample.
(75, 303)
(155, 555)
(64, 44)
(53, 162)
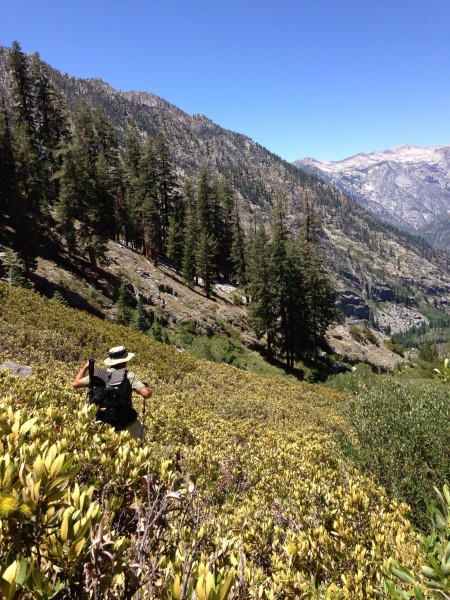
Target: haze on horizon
(300, 77)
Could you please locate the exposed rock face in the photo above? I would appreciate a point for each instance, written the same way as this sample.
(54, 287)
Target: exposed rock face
(352, 305)
(406, 186)
(395, 318)
(382, 293)
(352, 351)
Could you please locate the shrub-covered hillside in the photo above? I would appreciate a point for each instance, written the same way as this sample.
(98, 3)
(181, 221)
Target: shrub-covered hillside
(238, 492)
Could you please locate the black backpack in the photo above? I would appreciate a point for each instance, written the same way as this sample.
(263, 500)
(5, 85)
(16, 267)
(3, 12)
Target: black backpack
(111, 392)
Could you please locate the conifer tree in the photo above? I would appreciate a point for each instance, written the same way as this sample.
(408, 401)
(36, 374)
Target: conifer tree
(124, 312)
(206, 249)
(8, 179)
(204, 202)
(259, 288)
(166, 185)
(206, 245)
(149, 204)
(67, 204)
(190, 233)
(22, 89)
(29, 210)
(319, 288)
(132, 218)
(175, 243)
(278, 269)
(224, 226)
(13, 269)
(140, 319)
(238, 250)
(51, 126)
(295, 318)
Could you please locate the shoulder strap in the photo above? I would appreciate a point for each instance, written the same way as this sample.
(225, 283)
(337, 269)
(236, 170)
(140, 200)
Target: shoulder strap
(117, 376)
(91, 379)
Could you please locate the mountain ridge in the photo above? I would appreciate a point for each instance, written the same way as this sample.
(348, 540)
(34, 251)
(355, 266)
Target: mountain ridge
(408, 186)
(371, 261)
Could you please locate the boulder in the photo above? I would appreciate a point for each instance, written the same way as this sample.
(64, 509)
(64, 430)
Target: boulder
(20, 370)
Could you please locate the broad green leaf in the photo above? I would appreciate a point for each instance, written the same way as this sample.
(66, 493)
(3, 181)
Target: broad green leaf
(403, 574)
(11, 572)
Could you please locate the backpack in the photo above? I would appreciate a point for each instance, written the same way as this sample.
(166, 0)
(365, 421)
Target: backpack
(111, 392)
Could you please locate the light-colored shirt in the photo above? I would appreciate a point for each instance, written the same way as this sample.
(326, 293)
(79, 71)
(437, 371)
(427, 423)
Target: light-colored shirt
(135, 382)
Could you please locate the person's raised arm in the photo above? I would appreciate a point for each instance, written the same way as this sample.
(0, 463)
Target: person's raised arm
(80, 375)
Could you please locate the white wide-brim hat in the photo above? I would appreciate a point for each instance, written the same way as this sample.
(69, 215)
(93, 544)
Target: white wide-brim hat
(117, 355)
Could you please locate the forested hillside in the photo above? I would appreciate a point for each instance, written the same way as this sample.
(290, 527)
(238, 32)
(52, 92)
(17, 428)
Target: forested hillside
(365, 255)
(239, 491)
(70, 174)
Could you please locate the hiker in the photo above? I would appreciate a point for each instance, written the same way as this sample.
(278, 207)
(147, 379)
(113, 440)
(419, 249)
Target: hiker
(111, 390)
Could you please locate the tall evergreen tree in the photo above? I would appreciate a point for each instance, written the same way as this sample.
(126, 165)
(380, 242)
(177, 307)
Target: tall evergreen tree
(259, 288)
(51, 126)
(319, 288)
(224, 226)
(238, 250)
(22, 89)
(132, 217)
(67, 204)
(140, 319)
(8, 179)
(149, 204)
(190, 233)
(29, 212)
(124, 312)
(166, 185)
(205, 251)
(175, 242)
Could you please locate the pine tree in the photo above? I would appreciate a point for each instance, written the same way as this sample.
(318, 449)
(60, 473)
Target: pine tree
(190, 234)
(22, 89)
(166, 185)
(149, 204)
(67, 204)
(223, 227)
(29, 210)
(13, 268)
(8, 179)
(295, 325)
(238, 252)
(175, 243)
(206, 250)
(51, 127)
(259, 288)
(140, 319)
(319, 288)
(278, 269)
(132, 216)
(124, 312)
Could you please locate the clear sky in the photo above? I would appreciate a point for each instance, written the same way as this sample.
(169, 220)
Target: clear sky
(319, 78)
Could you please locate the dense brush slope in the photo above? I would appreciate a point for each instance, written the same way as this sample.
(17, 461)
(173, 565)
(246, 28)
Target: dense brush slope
(274, 512)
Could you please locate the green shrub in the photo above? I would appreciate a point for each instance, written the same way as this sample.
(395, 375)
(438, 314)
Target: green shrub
(433, 580)
(401, 437)
(395, 346)
(356, 333)
(363, 335)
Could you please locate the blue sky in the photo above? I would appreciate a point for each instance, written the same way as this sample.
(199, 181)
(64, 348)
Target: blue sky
(320, 78)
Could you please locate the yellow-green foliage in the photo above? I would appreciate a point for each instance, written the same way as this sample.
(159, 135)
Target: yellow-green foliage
(274, 513)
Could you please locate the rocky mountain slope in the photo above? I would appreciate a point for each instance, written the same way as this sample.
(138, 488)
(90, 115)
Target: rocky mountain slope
(406, 186)
(372, 262)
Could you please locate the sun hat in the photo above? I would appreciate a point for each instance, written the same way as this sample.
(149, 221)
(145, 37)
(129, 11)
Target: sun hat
(117, 355)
